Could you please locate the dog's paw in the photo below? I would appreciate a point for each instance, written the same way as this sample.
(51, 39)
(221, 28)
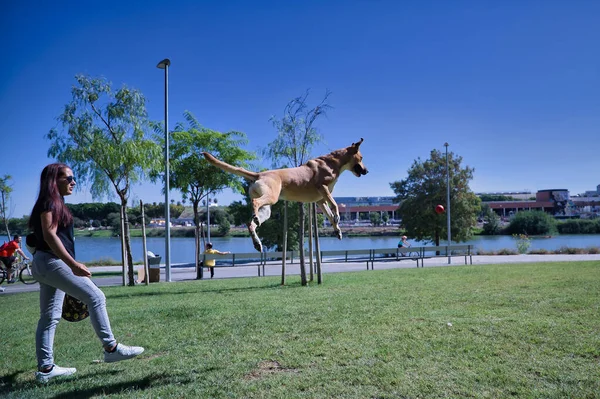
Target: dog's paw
(257, 244)
(338, 233)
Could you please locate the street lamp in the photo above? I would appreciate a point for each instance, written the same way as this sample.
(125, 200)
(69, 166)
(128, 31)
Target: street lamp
(164, 64)
(208, 217)
(448, 203)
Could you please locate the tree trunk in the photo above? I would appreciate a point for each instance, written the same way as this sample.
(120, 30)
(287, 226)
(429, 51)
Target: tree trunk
(310, 241)
(317, 244)
(284, 249)
(437, 241)
(301, 239)
(131, 281)
(197, 240)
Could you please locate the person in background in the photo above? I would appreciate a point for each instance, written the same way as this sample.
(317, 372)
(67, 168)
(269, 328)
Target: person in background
(55, 268)
(403, 243)
(7, 256)
(210, 263)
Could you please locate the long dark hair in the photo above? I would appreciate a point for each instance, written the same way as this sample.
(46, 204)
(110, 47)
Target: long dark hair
(49, 198)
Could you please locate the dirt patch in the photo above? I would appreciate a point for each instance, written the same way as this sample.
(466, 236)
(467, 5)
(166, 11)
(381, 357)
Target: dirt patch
(266, 368)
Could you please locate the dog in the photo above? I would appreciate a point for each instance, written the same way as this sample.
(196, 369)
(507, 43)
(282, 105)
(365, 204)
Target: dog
(312, 182)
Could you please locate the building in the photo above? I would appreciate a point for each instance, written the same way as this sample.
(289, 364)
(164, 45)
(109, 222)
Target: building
(556, 202)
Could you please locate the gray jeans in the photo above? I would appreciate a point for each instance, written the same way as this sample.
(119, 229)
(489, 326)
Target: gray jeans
(56, 278)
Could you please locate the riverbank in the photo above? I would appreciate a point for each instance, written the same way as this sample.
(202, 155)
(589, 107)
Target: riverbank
(362, 231)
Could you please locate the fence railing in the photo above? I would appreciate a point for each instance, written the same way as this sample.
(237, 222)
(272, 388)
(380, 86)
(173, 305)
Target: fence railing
(370, 256)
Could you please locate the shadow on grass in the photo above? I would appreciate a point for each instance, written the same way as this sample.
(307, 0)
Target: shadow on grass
(8, 382)
(8, 385)
(201, 290)
(136, 385)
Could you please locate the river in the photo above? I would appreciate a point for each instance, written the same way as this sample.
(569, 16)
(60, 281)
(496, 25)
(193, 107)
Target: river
(182, 249)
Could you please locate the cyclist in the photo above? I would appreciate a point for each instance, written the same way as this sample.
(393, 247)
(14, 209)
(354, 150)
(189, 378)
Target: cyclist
(403, 243)
(7, 256)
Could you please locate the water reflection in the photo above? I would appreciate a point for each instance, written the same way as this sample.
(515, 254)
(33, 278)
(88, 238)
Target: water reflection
(182, 249)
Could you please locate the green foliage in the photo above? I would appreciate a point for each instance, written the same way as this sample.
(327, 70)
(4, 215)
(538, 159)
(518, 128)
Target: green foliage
(579, 226)
(375, 218)
(5, 190)
(224, 227)
(104, 137)
(19, 225)
(425, 187)
(271, 231)
(191, 173)
(113, 220)
(241, 212)
(491, 221)
(532, 223)
(296, 136)
(296, 132)
(385, 218)
(523, 243)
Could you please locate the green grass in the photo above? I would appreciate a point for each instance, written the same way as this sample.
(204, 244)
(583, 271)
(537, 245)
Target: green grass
(525, 331)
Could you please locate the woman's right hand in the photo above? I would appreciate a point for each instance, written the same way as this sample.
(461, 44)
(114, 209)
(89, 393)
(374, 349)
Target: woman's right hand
(79, 269)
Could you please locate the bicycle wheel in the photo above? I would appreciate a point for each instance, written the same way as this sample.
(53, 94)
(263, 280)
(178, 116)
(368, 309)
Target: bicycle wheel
(26, 276)
(2, 275)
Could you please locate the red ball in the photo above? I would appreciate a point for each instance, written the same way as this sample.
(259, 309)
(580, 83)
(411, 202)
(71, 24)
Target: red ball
(439, 209)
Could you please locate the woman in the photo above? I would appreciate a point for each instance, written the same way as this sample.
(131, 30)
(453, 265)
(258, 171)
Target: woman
(55, 268)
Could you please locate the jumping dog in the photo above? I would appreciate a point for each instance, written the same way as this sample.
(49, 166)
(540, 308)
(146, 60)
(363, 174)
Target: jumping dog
(312, 182)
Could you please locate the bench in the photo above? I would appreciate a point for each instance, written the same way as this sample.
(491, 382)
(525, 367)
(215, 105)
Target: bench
(465, 250)
(369, 256)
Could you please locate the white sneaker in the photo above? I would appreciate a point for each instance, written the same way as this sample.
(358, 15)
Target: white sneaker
(122, 352)
(55, 372)
(1, 289)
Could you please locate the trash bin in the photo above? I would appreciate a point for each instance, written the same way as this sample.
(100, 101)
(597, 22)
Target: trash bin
(153, 268)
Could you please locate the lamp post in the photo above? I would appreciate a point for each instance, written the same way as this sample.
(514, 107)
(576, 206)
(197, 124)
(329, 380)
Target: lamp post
(164, 64)
(208, 217)
(448, 203)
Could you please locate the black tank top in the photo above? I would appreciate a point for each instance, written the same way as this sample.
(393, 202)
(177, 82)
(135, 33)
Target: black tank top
(64, 233)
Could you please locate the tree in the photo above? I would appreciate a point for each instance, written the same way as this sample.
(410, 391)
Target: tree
(5, 190)
(385, 218)
(532, 223)
(296, 137)
(425, 187)
(491, 220)
(104, 141)
(193, 175)
(241, 212)
(375, 218)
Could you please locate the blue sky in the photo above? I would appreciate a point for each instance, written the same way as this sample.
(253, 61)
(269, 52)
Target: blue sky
(513, 86)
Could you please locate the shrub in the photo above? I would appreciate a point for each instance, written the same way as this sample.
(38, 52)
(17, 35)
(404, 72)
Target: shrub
(593, 250)
(570, 251)
(539, 251)
(506, 251)
(532, 223)
(523, 243)
(579, 226)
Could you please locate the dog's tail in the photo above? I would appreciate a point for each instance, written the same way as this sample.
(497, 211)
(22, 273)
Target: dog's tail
(253, 176)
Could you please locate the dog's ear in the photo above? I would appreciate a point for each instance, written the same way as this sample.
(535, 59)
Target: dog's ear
(357, 144)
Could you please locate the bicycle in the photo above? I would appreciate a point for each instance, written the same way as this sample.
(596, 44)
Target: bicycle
(23, 269)
(409, 254)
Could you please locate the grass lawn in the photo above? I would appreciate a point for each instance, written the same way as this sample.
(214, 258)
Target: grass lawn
(524, 331)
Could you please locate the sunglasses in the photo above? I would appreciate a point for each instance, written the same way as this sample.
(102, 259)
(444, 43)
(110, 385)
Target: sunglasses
(70, 179)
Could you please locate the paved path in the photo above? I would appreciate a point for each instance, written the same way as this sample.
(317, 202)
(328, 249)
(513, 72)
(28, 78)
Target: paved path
(187, 272)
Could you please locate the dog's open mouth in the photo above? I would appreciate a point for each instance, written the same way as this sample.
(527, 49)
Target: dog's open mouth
(359, 170)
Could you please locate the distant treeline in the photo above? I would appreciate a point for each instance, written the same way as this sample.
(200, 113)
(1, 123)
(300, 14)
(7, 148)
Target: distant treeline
(107, 214)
